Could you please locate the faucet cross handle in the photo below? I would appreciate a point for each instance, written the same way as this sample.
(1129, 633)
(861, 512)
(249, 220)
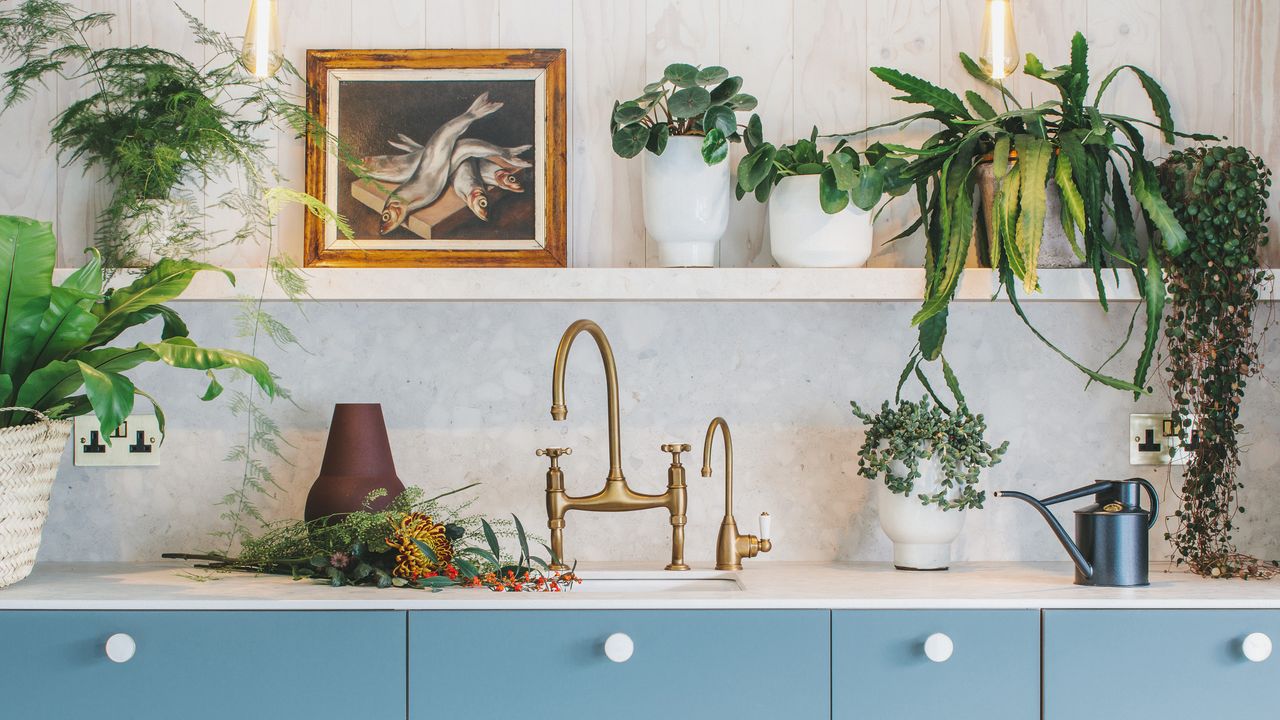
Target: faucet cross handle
(675, 449)
(554, 453)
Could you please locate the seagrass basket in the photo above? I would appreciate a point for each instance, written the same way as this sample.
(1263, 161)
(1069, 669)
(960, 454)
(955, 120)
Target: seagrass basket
(29, 457)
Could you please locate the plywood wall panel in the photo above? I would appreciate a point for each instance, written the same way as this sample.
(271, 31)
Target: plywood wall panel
(830, 76)
(461, 23)
(1257, 87)
(1197, 55)
(389, 24)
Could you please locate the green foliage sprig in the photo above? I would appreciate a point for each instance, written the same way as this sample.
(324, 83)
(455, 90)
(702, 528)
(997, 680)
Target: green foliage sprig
(692, 101)
(911, 433)
(1071, 141)
(844, 176)
(1219, 196)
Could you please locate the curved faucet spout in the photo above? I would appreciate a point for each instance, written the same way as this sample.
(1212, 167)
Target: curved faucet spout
(558, 409)
(728, 461)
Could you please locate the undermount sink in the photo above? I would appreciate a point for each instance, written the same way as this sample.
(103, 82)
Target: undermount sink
(656, 582)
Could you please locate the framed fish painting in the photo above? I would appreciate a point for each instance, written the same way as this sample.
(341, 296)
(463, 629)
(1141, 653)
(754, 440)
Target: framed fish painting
(437, 158)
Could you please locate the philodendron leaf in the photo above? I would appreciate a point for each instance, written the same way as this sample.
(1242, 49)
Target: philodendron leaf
(182, 353)
(830, 196)
(162, 283)
(681, 75)
(922, 92)
(689, 102)
(111, 395)
(630, 140)
(715, 147)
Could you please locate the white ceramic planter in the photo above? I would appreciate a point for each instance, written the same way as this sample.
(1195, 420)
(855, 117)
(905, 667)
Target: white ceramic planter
(686, 203)
(921, 534)
(801, 235)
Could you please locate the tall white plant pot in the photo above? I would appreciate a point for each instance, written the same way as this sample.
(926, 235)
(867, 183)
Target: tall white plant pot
(921, 534)
(686, 203)
(802, 235)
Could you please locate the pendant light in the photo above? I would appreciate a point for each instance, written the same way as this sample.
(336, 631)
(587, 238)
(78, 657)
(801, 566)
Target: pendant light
(261, 54)
(999, 55)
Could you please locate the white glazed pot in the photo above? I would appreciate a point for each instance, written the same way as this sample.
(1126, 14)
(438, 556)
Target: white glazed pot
(921, 534)
(686, 203)
(802, 235)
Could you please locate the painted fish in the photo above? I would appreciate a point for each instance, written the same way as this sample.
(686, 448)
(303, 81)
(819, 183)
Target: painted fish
(431, 175)
(398, 168)
(495, 175)
(467, 184)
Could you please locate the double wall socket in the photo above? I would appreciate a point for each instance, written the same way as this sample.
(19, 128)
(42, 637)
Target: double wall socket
(135, 442)
(1153, 440)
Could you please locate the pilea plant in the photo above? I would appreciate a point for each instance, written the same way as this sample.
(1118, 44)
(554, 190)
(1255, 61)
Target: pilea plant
(1219, 195)
(912, 433)
(687, 100)
(845, 177)
(1071, 141)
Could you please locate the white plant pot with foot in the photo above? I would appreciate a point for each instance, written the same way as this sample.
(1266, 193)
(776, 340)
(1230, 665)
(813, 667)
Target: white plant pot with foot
(801, 235)
(686, 203)
(921, 534)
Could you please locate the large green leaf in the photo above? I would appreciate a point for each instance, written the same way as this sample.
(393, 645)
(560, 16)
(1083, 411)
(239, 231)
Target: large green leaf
(54, 382)
(922, 92)
(111, 395)
(1154, 297)
(867, 190)
(27, 253)
(180, 352)
(88, 277)
(1072, 203)
(1034, 155)
(1159, 101)
(162, 283)
(1005, 209)
(64, 329)
(1147, 191)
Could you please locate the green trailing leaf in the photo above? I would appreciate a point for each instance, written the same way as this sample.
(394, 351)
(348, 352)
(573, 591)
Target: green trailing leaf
(1147, 190)
(1154, 297)
(1159, 101)
(923, 92)
(953, 382)
(980, 105)
(214, 389)
(162, 283)
(188, 355)
(1072, 203)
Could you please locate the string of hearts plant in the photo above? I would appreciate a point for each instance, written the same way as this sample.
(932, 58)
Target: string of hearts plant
(687, 100)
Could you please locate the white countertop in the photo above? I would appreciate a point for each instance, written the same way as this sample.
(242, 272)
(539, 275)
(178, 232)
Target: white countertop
(170, 586)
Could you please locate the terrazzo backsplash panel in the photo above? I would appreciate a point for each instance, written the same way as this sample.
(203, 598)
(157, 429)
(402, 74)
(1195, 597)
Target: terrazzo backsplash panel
(466, 392)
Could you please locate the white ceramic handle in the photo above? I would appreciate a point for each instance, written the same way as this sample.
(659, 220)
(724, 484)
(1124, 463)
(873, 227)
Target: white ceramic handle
(1256, 647)
(938, 647)
(766, 527)
(120, 648)
(619, 647)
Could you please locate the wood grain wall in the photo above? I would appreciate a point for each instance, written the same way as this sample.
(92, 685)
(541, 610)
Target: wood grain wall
(806, 60)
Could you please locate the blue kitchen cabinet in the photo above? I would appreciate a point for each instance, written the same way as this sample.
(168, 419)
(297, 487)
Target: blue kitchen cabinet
(742, 664)
(985, 665)
(203, 665)
(1166, 664)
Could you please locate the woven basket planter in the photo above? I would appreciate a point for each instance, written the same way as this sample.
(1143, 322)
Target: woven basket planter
(29, 458)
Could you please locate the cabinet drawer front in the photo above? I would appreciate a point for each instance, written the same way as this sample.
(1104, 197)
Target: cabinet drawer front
(1122, 664)
(204, 665)
(879, 668)
(551, 664)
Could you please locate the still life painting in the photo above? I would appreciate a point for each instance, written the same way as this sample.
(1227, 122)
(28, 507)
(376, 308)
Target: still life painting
(448, 157)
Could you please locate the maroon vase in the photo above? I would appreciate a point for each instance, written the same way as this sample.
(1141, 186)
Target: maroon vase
(357, 461)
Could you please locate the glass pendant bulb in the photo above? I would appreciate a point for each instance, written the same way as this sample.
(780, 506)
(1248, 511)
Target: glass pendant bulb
(999, 56)
(261, 54)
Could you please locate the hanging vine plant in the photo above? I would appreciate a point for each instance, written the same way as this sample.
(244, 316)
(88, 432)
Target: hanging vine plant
(1219, 195)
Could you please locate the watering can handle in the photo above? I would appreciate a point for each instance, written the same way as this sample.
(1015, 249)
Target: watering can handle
(1153, 496)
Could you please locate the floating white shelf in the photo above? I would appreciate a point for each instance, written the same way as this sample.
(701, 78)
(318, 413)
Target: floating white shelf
(639, 284)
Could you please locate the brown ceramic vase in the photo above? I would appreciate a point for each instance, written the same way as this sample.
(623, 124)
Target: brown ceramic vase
(357, 461)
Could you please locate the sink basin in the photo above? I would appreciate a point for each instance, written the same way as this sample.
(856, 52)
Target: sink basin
(656, 582)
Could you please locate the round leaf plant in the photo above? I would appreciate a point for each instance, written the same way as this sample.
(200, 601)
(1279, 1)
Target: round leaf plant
(911, 433)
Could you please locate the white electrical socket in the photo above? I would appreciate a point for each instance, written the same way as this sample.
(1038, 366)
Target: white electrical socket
(1152, 441)
(136, 442)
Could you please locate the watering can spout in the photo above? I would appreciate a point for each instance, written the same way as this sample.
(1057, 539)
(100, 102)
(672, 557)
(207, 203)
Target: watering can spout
(1072, 549)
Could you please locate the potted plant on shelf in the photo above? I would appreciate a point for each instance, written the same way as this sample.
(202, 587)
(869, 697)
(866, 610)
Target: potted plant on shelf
(930, 460)
(1219, 196)
(686, 121)
(820, 204)
(1067, 147)
(56, 363)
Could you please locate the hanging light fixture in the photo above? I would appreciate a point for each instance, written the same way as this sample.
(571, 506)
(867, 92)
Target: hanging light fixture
(261, 54)
(999, 56)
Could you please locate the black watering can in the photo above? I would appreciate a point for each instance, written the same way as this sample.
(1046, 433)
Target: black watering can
(1110, 549)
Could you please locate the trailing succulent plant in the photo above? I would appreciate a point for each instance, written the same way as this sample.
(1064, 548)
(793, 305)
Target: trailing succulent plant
(912, 433)
(1087, 152)
(1219, 196)
(845, 178)
(687, 100)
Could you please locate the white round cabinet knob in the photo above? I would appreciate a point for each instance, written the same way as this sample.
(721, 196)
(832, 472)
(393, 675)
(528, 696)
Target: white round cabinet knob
(120, 648)
(938, 647)
(1256, 647)
(619, 647)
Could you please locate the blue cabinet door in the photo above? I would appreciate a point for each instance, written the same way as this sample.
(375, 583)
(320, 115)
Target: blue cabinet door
(880, 670)
(740, 664)
(203, 666)
(1166, 664)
